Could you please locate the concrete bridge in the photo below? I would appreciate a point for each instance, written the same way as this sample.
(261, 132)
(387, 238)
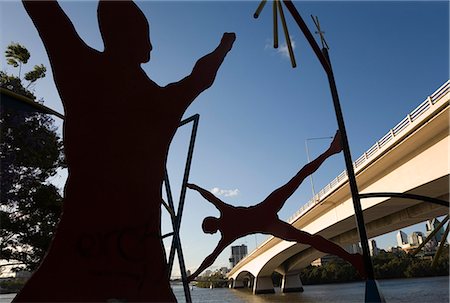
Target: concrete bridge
(413, 158)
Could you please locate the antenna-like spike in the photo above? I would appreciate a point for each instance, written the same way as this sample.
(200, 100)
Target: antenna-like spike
(320, 32)
(286, 34)
(259, 9)
(275, 24)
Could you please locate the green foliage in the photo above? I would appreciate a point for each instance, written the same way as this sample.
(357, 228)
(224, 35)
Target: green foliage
(386, 266)
(332, 272)
(11, 285)
(16, 54)
(38, 72)
(217, 280)
(14, 84)
(31, 153)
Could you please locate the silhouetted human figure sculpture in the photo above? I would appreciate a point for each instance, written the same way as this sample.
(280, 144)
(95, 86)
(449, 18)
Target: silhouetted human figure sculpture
(117, 130)
(237, 221)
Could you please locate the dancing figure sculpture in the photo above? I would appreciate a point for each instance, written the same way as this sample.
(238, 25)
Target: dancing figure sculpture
(263, 218)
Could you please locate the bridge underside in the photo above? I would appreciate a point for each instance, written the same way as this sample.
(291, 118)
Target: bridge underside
(403, 213)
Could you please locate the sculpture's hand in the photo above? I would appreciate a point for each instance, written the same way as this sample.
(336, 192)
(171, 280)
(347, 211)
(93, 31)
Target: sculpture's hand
(228, 40)
(192, 186)
(336, 145)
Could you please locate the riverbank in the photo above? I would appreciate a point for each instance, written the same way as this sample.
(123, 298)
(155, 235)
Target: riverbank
(434, 289)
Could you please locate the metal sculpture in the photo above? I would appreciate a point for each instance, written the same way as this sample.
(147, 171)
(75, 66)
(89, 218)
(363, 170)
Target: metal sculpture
(372, 292)
(108, 243)
(237, 221)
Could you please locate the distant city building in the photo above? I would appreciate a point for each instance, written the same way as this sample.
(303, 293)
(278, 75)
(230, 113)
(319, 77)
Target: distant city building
(350, 248)
(402, 238)
(431, 225)
(373, 248)
(237, 254)
(326, 259)
(353, 248)
(416, 238)
(207, 273)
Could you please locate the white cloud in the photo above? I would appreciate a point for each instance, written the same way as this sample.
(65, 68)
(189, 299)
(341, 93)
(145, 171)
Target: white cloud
(282, 48)
(225, 192)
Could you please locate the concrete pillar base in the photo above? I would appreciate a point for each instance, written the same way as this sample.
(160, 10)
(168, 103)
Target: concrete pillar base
(237, 284)
(263, 285)
(291, 283)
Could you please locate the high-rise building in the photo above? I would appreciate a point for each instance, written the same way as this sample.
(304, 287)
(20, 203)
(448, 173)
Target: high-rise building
(237, 254)
(416, 238)
(402, 238)
(352, 248)
(431, 225)
(373, 247)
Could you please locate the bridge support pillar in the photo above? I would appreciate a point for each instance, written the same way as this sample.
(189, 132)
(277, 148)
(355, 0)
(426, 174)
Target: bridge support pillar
(237, 284)
(263, 285)
(291, 283)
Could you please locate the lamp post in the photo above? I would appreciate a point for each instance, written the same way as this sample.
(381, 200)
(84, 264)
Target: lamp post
(372, 293)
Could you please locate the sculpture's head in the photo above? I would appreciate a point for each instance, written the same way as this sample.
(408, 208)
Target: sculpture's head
(210, 225)
(125, 31)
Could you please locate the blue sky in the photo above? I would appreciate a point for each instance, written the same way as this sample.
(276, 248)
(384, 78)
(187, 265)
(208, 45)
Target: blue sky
(387, 58)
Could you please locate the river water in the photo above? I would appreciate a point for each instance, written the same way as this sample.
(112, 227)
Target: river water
(423, 290)
(420, 290)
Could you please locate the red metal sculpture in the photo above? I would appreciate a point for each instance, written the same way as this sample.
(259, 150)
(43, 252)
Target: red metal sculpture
(236, 222)
(108, 243)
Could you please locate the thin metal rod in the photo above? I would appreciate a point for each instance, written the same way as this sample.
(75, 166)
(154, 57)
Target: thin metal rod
(441, 246)
(430, 236)
(176, 242)
(167, 235)
(259, 9)
(169, 210)
(304, 28)
(405, 196)
(286, 34)
(171, 205)
(275, 24)
(320, 32)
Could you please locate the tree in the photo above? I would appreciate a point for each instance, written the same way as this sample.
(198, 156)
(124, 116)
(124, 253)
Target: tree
(31, 153)
(35, 74)
(16, 55)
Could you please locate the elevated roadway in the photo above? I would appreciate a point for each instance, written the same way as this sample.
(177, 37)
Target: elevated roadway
(413, 158)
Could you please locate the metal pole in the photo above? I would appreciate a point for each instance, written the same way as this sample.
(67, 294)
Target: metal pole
(310, 176)
(430, 236)
(441, 246)
(372, 293)
(309, 160)
(350, 172)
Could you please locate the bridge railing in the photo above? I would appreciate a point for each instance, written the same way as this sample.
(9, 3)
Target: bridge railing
(377, 148)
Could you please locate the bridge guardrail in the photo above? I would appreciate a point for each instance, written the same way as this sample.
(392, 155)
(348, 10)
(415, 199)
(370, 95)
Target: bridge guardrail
(375, 149)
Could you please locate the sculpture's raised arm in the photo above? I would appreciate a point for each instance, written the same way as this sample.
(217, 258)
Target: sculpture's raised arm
(219, 204)
(54, 27)
(204, 72)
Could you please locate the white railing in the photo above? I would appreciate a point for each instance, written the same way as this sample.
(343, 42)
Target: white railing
(377, 148)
